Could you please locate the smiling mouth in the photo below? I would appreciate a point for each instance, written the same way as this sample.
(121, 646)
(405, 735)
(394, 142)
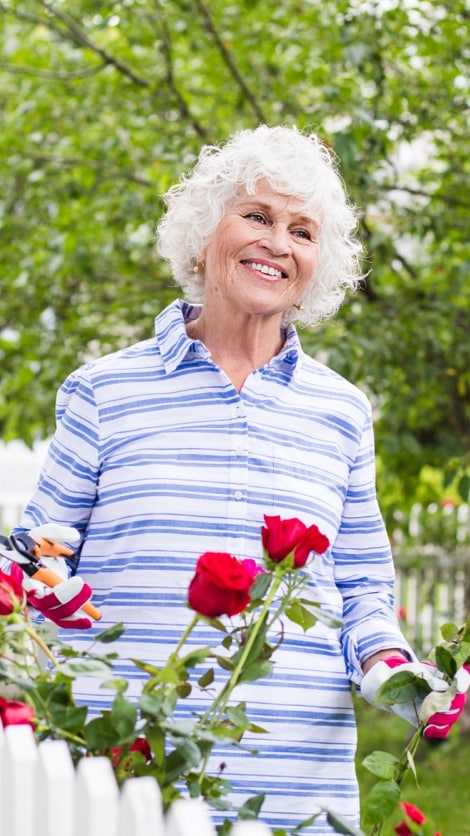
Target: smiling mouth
(265, 269)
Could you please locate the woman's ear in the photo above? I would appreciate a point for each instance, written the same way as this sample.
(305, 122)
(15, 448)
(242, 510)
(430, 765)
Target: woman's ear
(198, 265)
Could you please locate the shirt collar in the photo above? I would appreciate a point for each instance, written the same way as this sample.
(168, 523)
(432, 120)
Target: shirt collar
(175, 345)
(172, 339)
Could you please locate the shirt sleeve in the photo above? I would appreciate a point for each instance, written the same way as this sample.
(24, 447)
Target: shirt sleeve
(364, 569)
(67, 483)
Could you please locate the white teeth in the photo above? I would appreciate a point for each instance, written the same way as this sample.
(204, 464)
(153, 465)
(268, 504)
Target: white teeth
(263, 268)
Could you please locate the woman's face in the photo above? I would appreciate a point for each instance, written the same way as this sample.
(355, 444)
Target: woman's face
(262, 255)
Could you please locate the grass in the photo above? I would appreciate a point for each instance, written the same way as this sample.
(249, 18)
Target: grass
(443, 793)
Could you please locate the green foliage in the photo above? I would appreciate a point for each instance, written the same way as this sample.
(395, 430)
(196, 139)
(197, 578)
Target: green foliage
(449, 656)
(441, 790)
(104, 106)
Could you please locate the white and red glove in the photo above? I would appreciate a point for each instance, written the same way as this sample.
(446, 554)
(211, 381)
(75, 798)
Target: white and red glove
(62, 603)
(439, 710)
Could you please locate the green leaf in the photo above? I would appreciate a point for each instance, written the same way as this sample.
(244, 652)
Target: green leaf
(157, 705)
(251, 808)
(323, 615)
(87, 667)
(224, 662)
(156, 740)
(253, 727)
(68, 718)
(206, 679)
(260, 586)
(403, 686)
(190, 752)
(100, 733)
(257, 671)
(445, 661)
(300, 615)
(123, 716)
(184, 690)
(381, 764)
(111, 634)
(196, 657)
(381, 802)
(145, 666)
(449, 630)
(237, 716)
(341, 825)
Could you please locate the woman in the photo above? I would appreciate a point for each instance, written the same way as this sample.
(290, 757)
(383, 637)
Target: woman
(181, 443)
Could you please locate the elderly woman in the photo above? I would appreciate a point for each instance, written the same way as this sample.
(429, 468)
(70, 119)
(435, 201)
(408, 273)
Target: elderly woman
(182, 443)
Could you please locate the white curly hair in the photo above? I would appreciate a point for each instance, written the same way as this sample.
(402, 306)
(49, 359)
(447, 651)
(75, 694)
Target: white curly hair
(294, 163)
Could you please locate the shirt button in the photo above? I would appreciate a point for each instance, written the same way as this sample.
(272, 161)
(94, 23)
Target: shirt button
(238, 495)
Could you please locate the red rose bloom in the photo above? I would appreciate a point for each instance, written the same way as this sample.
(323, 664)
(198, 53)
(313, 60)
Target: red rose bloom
(10, 589)
(13, 713)
(414, 814)
(221, 585)
(281, 537)
(140, 744)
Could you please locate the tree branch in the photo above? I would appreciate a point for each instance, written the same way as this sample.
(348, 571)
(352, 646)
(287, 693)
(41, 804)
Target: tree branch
(227, 57)
(76, 34)
(170, 79)
(53, 159)
(49, 74)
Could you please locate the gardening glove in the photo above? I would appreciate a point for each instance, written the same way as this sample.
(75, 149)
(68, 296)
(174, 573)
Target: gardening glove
(439, 724)
(62, 603)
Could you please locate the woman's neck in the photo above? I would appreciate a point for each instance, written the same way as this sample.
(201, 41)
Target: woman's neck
(238, 348)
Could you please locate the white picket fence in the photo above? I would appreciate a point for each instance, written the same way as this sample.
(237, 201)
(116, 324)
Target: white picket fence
(42, 794)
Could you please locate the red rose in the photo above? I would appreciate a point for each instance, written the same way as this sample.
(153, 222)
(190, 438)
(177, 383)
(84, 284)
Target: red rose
(14, 713)
(10, 590)
(414, 814)
(221, 585)
(281, 537)
(140, 744)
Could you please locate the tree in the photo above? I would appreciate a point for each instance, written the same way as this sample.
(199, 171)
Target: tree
(104, 104)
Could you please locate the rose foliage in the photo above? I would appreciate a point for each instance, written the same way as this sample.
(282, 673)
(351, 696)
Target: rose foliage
(448, 656)
(243, 602)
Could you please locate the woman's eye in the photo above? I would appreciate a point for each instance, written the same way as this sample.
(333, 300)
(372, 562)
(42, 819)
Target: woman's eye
(256, 216)
(303, 233)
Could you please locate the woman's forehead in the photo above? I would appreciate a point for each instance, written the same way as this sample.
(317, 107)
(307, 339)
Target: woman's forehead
(266, 196)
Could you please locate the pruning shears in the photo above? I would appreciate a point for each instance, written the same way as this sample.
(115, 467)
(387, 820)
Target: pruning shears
(27, 552)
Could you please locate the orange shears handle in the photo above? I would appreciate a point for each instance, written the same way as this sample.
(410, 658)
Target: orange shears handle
(45, 548)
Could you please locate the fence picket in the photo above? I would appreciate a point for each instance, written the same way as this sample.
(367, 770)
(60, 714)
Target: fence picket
(19, 758)
(141, 808)
(55, 790)
(97, 798)
(189, 815)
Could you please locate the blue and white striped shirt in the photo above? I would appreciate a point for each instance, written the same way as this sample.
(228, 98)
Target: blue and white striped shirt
(156, 459)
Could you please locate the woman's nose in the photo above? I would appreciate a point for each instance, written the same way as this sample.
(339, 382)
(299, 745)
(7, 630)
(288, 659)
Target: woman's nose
(278, 239)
